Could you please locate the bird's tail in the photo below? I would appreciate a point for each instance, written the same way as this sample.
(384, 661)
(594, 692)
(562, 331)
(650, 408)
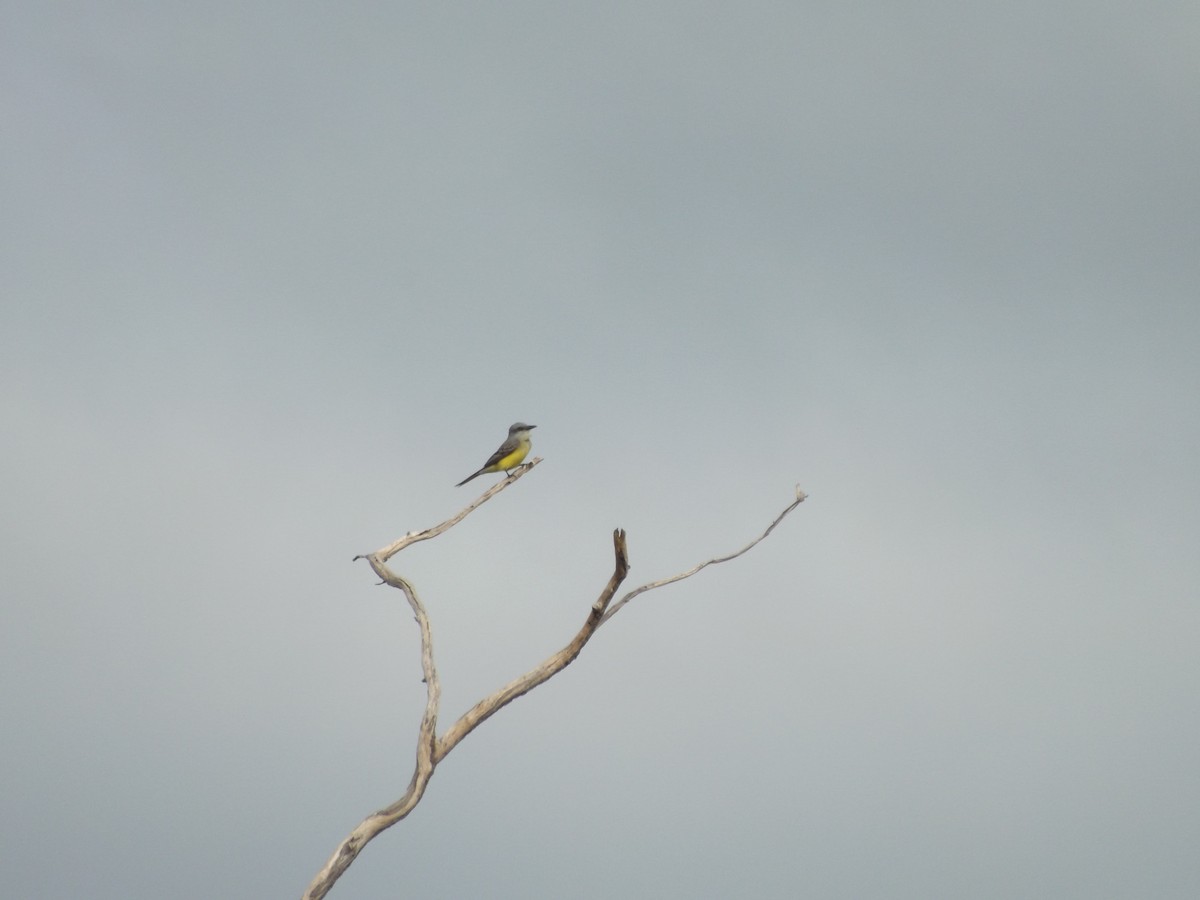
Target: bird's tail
(469, 477)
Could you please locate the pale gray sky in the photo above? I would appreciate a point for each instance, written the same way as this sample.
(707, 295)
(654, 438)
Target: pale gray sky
(276, 277)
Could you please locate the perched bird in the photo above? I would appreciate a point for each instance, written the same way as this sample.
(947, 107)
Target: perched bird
(512, 451)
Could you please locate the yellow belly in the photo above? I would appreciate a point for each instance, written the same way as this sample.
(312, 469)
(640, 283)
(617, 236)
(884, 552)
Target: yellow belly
(513, 459)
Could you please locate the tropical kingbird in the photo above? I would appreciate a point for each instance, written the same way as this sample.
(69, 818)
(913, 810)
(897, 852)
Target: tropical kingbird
(510, 454)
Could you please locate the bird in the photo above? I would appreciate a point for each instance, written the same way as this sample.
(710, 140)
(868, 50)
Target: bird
(510, 453)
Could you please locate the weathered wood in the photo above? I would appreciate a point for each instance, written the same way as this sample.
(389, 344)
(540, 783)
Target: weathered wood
(430, 748)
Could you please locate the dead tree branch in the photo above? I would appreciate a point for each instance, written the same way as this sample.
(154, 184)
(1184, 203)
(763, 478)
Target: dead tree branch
(612, 611)
(488, 706)
(413, 537)
(431, 749)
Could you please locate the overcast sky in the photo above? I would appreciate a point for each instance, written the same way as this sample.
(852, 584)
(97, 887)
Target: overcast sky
(276, 276)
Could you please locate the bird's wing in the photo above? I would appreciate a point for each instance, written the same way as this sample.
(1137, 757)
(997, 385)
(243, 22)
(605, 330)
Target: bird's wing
(502, 451)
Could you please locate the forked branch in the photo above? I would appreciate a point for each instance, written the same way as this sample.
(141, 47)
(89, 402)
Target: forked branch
(612, 611)
(430, 748)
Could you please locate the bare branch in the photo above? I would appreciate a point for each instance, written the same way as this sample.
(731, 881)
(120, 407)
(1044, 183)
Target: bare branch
(612, 611)
(385, 818)
(487, 707)
(413, 537)
(431, 749)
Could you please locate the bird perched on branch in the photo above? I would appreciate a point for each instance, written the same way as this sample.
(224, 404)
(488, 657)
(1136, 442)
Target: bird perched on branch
(514, 449)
